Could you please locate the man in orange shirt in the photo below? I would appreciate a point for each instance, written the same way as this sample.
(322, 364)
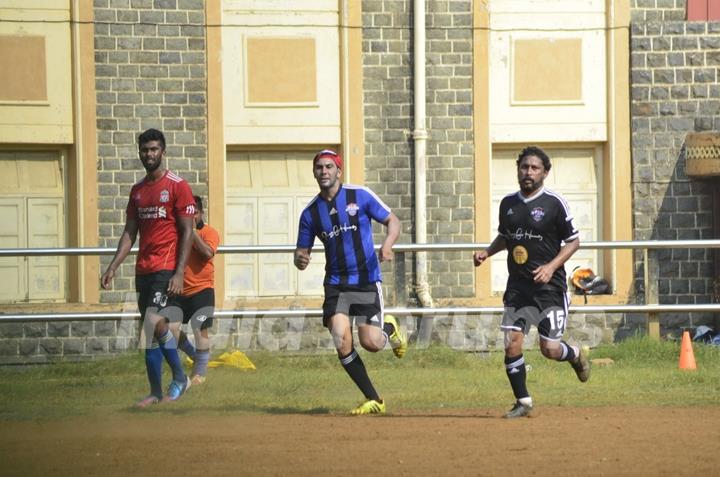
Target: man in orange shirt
(198, 295)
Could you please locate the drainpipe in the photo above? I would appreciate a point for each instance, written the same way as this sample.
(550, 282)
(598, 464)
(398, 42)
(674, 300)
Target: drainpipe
(345, 80)
(420, 136)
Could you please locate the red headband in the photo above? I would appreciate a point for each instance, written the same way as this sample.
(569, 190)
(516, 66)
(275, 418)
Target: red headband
(331, 155)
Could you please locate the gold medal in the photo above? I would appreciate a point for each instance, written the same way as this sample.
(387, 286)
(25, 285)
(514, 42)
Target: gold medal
(520, 254)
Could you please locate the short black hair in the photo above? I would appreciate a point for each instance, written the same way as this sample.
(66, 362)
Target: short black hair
(537, 152)
(198, 202)
(152, 135)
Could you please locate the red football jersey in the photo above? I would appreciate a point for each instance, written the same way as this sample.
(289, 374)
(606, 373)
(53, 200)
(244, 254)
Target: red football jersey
(156, 207)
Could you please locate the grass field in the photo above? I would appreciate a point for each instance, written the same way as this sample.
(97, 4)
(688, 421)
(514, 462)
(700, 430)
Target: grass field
(643, 373)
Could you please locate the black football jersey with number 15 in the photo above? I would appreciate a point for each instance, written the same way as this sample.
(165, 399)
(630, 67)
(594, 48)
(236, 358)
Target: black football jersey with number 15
(534, 229)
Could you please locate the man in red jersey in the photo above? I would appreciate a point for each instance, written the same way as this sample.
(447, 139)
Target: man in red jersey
(161, 209)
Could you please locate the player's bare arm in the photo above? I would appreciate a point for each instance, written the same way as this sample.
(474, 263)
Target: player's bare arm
(175, 286)
(127, 240)
(392, 223)
(302, 258)
(544, 273)
(200, 246)
(497, 244)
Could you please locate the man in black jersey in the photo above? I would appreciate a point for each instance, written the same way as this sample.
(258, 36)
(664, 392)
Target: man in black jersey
(537, 231)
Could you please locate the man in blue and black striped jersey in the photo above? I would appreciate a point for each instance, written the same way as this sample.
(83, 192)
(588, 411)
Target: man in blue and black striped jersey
(341, 217)
(536, 229)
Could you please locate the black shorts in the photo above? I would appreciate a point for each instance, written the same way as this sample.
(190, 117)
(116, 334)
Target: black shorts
(363, 301)
(199, 308)
(152, 295)
(546, 309)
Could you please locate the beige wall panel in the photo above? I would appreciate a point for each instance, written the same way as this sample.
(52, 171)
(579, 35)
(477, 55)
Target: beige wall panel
(536, 80)
(241, 269)
(61, 5)
(250, 114)
(32, 214)
(47, 120)
(10, 173)
(277, 174)
(238, 174)
(265, 210)
(564, 6)
(280, 70)
(527, 62)
(31, 173)
(46, 275)
(25, 57)
(12, 235)
(42, 173)
(276, 220)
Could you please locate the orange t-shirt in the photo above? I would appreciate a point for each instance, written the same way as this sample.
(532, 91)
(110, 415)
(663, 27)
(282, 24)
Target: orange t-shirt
(199, 272)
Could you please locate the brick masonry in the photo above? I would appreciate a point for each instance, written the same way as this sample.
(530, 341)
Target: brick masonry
(389, 123)
(675, 91)
(150, 72)
(150, 67)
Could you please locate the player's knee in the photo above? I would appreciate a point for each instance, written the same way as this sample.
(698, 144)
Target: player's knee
(549, 351)
(371, 345)
(513, 343)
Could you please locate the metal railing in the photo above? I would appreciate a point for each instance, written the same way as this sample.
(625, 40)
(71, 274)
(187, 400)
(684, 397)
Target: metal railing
(651, 275)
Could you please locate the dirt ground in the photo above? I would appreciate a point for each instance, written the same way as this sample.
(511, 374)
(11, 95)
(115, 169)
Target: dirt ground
(558, 441)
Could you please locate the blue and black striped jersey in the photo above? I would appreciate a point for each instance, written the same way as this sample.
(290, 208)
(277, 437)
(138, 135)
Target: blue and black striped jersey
(344, 225)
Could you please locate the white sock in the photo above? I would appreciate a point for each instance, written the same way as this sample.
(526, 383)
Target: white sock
(526, 401)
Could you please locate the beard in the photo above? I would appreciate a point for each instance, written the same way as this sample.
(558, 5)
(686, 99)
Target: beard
(529, 187)
(150, 169)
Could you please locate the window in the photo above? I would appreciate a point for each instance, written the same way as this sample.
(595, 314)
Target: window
(703, 10)
(32, 216)
(266, 192)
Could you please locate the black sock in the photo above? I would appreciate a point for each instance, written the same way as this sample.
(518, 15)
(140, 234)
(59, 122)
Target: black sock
(357, 372)
(515, 370)
(388, 328)
(568, 352)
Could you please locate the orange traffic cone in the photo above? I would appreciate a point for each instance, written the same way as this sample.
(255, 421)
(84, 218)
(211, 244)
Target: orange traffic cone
(687, 357)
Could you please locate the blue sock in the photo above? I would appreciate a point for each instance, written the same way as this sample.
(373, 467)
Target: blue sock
(153, 365)
(186, 346)
(202, 357)
(168, 346)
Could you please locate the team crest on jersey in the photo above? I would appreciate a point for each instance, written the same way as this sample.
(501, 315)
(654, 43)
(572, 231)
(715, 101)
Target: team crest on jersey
(537, 214)
(165, 196)
(352, 209)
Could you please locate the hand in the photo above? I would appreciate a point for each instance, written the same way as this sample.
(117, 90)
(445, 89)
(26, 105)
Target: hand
(106, 279)
(386, 254)
(480, 257)
(175, 285)
(543, 273)
(302, 260)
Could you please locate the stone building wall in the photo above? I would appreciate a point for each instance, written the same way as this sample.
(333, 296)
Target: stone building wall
(150, 66)
(675, 91)
(389, 123)
(150, 72)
